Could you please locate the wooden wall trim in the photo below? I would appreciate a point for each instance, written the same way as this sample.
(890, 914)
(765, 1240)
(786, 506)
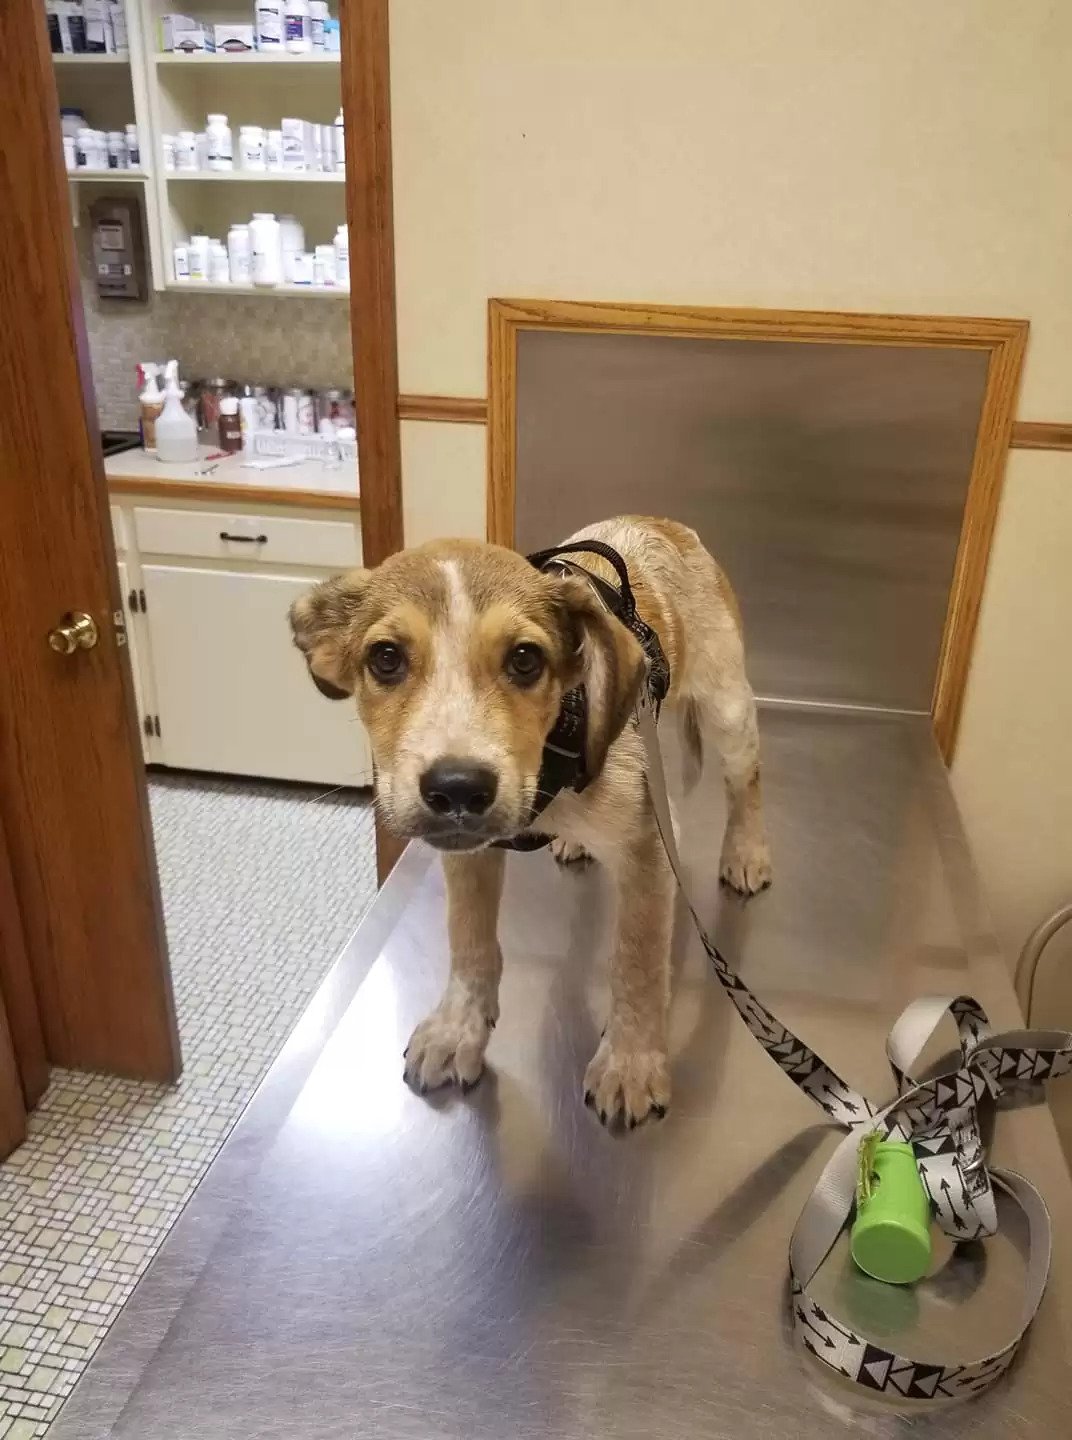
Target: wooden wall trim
(502, 422)
(833, 326)
(1041, 435)
(366, 102)
(1005, 341)
(976, 534)
(452, 409)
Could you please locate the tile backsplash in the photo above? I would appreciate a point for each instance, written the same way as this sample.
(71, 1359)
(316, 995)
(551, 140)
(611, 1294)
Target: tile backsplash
(267, 340)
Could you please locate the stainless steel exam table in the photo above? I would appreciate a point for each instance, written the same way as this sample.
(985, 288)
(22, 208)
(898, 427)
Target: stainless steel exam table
(361, 1262)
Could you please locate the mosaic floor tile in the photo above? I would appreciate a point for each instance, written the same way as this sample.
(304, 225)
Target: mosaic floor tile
(262, 885)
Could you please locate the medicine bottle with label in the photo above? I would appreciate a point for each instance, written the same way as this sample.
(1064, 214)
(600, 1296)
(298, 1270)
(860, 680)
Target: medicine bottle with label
(296, 26)
(220, 153)
(230, 426)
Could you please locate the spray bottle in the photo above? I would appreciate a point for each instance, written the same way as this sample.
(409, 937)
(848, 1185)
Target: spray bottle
(176, 432)
(151, 402)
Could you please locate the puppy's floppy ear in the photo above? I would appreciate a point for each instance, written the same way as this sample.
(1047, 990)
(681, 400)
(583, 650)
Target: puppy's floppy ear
(610, 665)
(324, 625)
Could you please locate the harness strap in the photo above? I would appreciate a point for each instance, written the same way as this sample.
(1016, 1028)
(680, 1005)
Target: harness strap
(562, 764)
(625, 604)
(938, 1117)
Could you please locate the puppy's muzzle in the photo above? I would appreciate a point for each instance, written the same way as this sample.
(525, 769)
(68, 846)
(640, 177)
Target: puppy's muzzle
(457, 795)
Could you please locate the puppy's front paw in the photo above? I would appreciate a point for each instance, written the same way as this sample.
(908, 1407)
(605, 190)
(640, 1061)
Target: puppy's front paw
(568, 853)
(746, 862)
(448, 1048)
(627, 1086)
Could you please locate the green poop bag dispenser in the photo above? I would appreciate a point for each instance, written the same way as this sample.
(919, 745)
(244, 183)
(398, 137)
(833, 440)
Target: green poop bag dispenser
(891, 1235)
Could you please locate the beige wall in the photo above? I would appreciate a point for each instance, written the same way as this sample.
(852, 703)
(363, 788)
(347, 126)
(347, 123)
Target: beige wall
(1013, 767)
(829, 155)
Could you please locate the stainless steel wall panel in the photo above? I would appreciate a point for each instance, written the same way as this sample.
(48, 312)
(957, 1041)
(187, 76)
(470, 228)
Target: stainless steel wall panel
(829, 480)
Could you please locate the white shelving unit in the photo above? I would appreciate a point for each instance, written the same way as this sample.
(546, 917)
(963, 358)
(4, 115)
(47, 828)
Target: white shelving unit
(164, 93)
(252, 89)
(94, 62)
(315, 292)
(250, 177)
(195, 59)
(111, 177)
(113, 90)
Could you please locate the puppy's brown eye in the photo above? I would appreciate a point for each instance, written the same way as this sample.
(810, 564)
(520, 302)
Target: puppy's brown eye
(386, 663)
(524, 664)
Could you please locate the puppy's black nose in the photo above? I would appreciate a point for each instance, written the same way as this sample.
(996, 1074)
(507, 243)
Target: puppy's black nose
(458, 788)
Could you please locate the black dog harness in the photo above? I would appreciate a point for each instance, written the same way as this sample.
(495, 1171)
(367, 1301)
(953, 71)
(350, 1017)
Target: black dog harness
(562, 766)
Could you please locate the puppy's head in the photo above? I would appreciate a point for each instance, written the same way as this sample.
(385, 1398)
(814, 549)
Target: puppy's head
(458, 655)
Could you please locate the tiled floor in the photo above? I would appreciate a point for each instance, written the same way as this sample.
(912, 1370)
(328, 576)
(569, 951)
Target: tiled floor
(262, 886)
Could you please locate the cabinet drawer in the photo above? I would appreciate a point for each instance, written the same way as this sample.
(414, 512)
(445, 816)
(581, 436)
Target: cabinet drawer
(262, 539)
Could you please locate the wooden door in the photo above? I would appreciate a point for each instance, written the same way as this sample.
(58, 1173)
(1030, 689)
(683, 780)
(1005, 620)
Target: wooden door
(72, 792)
(366, 103)
(232, 692)
(23, 1067)
(12, 1103)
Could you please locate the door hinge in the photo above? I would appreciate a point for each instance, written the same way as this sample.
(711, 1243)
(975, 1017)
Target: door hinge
(156, 726)
(141, 602)
(132, 601)
(147, 725)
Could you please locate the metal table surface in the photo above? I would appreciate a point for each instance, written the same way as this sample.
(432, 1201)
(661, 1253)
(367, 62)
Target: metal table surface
(362, 1262)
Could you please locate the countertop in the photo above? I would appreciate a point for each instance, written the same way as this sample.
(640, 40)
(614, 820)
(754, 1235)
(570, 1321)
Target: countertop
(361, 1261)
(312, 483)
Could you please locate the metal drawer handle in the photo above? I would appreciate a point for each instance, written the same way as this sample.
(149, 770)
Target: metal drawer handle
(244, 539)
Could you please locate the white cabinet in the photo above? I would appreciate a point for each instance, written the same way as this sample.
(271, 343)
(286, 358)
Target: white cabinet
(134, 651)
(232, 692)
(215, 669)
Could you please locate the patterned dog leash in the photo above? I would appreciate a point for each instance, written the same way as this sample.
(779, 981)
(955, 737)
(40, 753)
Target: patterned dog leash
(938, 1117)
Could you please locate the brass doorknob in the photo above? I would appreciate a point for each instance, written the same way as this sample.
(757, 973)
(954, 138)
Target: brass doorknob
(77, 631)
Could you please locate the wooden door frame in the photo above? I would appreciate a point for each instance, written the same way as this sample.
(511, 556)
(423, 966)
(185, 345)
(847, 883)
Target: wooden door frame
(366, 102)
(23, 1067)
(1004, 342)
(17, 996)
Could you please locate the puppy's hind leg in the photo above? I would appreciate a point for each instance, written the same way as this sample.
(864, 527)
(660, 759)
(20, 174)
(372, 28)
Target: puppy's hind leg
(691, 720)
(730, 710)
(718, 702)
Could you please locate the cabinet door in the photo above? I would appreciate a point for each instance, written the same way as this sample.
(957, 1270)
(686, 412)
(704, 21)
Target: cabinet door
(232, 692)
(135, 659)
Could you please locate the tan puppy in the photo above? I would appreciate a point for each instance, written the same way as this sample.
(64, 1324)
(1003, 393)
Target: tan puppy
(459, 654)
